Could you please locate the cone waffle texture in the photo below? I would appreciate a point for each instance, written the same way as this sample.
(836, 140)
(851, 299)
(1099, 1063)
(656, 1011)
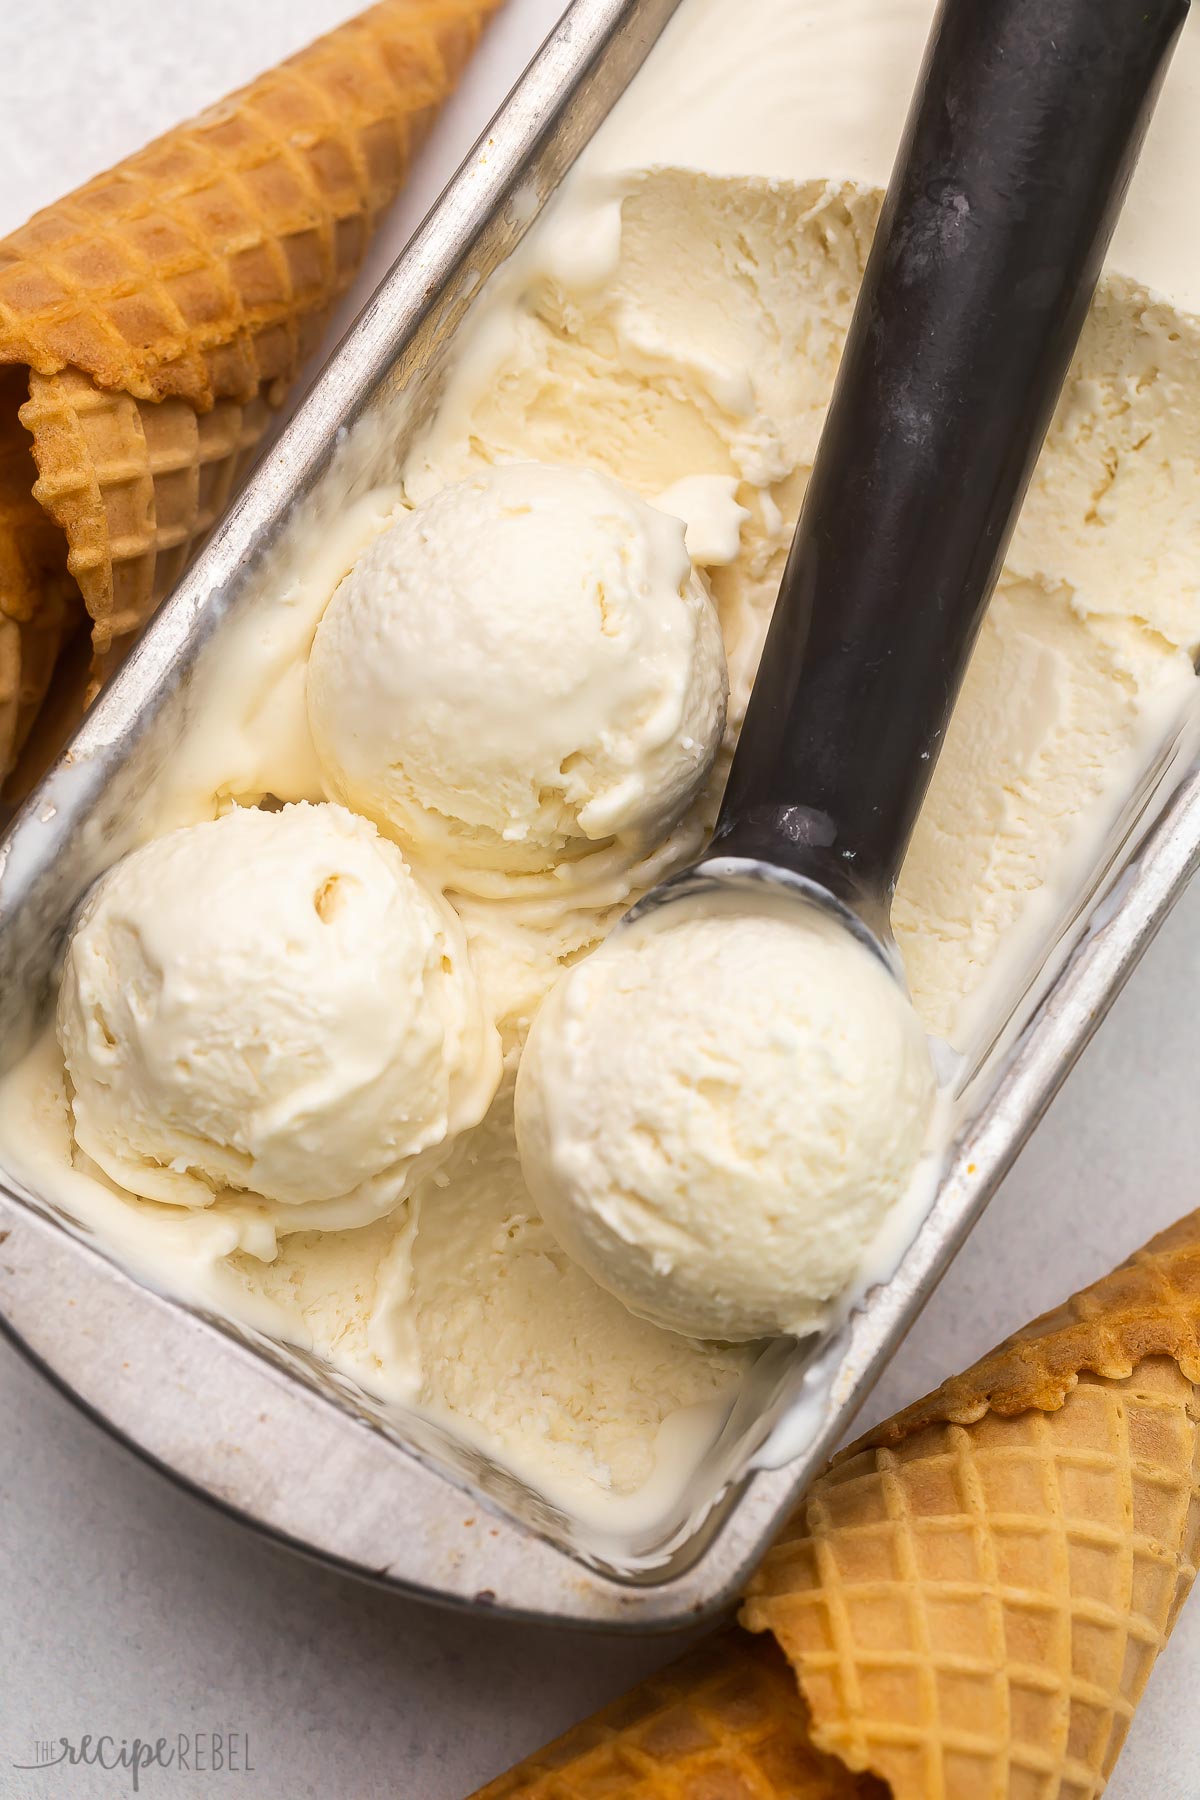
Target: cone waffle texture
(972, 1598)
(133, 487)
(196, 268)
(724, 1723)
(35, 589)
(158, 313)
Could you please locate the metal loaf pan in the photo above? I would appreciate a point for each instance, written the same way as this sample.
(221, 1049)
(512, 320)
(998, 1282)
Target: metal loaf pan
(260, 1429)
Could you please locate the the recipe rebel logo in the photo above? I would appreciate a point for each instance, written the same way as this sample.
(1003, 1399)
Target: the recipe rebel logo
(183, 1752)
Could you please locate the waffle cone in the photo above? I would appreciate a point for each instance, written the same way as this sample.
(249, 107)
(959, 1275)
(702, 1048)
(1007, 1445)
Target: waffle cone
(35, 589)
(974, 1596)
(155, 317)
(133, 486)
(971, 1598)
(200, 268)
(723, 1723)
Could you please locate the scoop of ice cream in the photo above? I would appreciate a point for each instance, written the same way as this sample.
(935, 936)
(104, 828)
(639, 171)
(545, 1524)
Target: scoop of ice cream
(716, 1111)
(521, 668)
(271, 1002)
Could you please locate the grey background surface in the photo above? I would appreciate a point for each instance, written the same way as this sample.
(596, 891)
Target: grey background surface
(130, 1608)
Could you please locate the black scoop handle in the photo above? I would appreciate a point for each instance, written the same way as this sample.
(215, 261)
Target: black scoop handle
(1027, 122)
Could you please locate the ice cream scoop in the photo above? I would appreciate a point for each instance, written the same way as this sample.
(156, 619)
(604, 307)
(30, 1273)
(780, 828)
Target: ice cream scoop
(270, 1002)
(1018, 149)
(717, 1111)
(520, 669)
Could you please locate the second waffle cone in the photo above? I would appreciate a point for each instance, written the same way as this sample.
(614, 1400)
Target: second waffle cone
(155, 316)
(971, 1599)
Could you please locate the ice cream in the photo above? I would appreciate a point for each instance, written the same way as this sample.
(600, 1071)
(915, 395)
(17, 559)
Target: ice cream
(519, 669)
(673, 323)
(270, 1003)
(718, 1109)
(612, 1406)
(720, 359)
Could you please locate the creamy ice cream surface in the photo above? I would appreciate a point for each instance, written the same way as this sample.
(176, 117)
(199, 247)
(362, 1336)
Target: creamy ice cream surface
(664, 344)
(269, 1003)
(519, 669)
(616, 1410)
(719, 1109)
(1088, 644)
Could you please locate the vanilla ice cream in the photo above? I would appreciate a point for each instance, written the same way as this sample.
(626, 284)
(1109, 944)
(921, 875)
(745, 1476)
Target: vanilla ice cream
(522, 667)
(667, 337)
(271, 1003)
(716, 1112)
(721, 359)
(571, 1370)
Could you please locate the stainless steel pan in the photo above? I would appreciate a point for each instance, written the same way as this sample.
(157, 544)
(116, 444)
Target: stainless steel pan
(259, 1428)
